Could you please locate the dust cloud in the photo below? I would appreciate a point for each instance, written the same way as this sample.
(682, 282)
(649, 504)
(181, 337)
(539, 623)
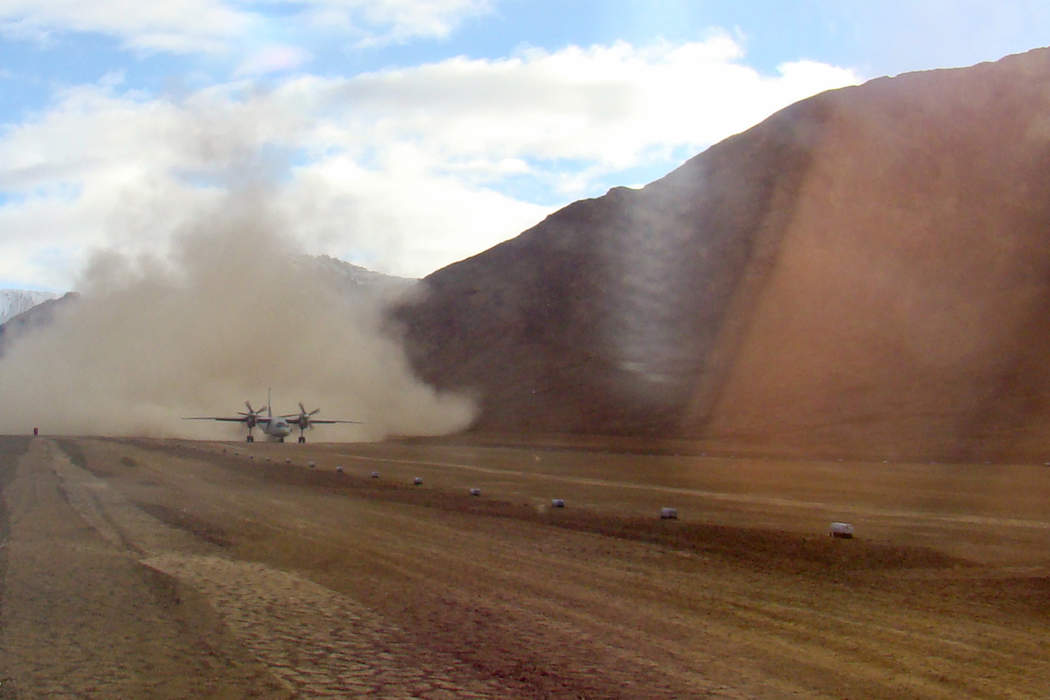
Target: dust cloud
(232, 309)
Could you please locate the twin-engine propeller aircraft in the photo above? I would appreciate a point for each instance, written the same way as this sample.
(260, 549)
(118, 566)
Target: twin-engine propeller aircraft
(275, 427)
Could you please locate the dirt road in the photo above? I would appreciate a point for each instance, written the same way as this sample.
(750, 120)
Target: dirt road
(175, 569)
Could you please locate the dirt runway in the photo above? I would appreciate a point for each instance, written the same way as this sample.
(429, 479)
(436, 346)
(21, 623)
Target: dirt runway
(153, 568)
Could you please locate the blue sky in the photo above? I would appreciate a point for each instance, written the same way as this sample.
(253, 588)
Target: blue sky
(406, 135)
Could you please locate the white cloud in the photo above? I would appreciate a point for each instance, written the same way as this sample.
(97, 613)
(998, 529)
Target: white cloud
(403, 170)
(609, 107)
(272, 59)
(378, 22)
(399, 217)
(182, 27)
(228, 26)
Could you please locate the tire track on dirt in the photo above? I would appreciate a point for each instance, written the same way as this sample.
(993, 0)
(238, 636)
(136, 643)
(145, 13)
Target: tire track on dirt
(319, 642)
(589, 615)
(10, 451)
(80, 617)
(481, 594)
(781, 623)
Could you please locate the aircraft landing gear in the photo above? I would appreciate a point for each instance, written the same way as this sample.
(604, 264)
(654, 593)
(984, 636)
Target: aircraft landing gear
(280, 439)
(302, 439)
(250, 438)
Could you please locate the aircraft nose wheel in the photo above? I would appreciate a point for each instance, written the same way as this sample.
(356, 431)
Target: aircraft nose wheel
(249, 439)
(301, 439)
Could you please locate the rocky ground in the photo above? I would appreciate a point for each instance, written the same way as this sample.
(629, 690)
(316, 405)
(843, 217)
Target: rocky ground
(134, 568)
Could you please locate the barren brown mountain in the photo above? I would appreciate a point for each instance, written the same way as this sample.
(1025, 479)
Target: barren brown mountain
(865, 272)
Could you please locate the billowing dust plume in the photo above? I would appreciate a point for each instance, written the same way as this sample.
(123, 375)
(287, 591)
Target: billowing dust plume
(233, 309)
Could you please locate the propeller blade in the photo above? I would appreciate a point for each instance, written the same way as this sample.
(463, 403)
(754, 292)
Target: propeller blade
(316, 410)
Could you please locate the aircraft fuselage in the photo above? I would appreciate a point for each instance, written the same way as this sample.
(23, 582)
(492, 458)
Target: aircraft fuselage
(276, 428)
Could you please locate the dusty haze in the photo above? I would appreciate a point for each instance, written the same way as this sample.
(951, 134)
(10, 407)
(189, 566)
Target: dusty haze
(234, 308)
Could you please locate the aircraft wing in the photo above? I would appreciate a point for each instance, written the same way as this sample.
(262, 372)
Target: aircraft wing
(293, 419)
(226, 418)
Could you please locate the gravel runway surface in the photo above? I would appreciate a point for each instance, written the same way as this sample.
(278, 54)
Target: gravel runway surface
(163, 568)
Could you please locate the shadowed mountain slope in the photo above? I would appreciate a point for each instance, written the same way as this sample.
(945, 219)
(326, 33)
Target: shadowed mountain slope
(865, 272)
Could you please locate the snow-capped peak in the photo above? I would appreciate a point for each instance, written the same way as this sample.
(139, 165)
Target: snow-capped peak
(16, 301)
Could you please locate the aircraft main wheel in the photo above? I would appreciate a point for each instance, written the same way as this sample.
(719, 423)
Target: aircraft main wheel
(280, 440)
(250, 438)
(301, 440)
